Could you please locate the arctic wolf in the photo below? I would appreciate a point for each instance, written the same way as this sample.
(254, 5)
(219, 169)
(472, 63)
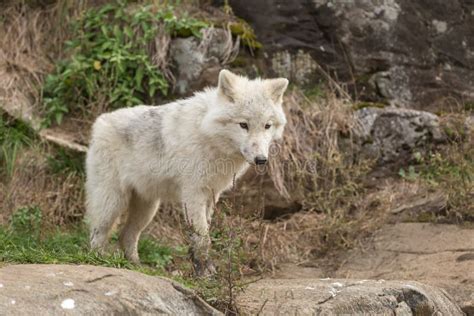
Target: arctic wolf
(185, 152)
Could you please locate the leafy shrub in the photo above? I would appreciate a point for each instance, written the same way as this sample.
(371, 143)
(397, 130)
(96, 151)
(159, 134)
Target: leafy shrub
(111, 64)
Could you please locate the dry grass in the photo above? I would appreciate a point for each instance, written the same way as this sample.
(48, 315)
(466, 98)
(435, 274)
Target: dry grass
(316, 156)
(33, 183)
(38, 35)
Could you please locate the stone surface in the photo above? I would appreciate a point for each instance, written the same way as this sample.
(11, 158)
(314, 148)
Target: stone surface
(89, 290)
(392, 134)
(410, 53)
(198, 61)
(438, 255)
(344, 297)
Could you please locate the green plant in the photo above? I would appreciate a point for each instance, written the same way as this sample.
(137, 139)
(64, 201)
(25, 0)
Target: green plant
(409, 174)
(26, 219)
(25, 240)
(13, 136)
(246, 33)
(153, 254)
(64, 161)
(450, 170)
(112, 62)
(229, 256)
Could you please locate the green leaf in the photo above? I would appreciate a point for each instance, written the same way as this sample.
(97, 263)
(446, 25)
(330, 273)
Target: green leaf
(139, 76)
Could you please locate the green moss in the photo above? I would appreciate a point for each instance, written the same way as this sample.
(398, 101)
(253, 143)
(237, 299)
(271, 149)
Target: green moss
(364, 79)
(246, 33)
(315, 92)
(426, 217)
(239, 61)
(469, 106)
(363, 104)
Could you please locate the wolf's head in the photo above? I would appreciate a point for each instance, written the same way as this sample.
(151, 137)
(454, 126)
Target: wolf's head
(248, 115)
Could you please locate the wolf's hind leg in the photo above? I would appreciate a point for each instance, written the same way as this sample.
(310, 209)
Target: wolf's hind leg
(105, 204)
(140, 214)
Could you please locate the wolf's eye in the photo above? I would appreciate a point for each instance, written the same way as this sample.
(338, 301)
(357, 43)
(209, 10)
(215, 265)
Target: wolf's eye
(267, 126)
(244, 125)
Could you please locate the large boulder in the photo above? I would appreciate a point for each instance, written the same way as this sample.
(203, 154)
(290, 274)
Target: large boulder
(344, 297)
(197, 61)
(394, 134)
(410, 53)
(89, 290)
(438, 255)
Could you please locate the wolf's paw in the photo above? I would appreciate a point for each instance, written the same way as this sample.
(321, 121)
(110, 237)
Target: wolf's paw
(204, 268)
(133, 258)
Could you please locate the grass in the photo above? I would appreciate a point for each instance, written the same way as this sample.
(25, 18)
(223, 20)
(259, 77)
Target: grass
(449, 170)
(25, 240)
(64, 161)
(13, 137)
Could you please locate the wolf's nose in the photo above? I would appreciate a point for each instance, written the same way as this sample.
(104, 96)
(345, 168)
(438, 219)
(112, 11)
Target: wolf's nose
(260, 160)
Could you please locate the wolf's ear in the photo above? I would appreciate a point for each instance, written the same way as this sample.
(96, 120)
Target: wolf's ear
(226, 84)
(276, 88)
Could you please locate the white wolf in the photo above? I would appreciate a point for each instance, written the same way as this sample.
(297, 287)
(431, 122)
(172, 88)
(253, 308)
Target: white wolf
(188, 151)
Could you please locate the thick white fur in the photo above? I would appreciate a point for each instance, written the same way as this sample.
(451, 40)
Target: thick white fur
(188, 152)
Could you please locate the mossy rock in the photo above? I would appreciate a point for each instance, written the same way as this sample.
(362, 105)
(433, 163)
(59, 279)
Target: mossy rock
(246, 33)
(469, 106)
(363, 104)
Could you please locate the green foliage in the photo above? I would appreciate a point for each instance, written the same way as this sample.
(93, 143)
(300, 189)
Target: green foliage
(153, 254)
(110, 63)
(246, 33)
(362, 105)
(409, 174)
(469, 106)
(26, 241)
(438, 168)
(316, 92)
(13, 136)
(64, 161)
(26, 219)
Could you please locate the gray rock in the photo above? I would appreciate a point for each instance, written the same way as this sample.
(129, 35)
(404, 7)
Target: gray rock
(413, 54)
(391, 134)
(89, 290)
(440, 255)
(344, 297)
(197, 61)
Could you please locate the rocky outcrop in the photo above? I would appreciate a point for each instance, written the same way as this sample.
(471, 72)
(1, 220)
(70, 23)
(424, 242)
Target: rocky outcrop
(392, 134)
(197, 61)
(344, 297)
(412, 54)
(439, 255)
(89, 290)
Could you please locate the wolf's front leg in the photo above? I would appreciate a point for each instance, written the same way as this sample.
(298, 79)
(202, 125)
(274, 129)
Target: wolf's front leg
(195, 211)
